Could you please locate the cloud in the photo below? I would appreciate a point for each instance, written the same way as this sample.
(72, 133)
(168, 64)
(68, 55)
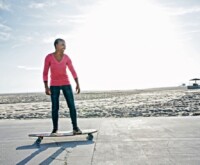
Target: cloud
(22, 40)
(5, 28)
(4, 32)
(25, 38)
(48, 40)
(51, 39)
(72, 18)
(76, 20)
(182, 10)
(16, 45)
(28, 68)
(41, 5)
(191, 31)
(4, 6)
(79, 2)
(4, 36)
(52, 19)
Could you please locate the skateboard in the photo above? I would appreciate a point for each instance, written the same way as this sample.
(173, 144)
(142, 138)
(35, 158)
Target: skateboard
(40, 136)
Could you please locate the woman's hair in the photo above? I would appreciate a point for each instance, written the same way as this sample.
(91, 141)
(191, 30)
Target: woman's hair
(57, 41)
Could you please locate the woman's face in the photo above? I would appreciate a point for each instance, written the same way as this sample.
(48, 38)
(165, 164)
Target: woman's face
(61, 45)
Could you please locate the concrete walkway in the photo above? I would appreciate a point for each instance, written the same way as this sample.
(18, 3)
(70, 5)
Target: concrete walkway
(125, 141)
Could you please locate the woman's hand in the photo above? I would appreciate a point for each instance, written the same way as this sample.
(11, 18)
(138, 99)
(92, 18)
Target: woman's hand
(47, 91)
(78, 89)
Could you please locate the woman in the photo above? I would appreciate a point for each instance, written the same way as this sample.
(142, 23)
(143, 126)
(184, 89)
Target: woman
(57, 62)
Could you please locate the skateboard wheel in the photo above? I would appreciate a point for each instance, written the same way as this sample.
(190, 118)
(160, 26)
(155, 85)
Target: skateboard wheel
(89, 137)
(38, 141)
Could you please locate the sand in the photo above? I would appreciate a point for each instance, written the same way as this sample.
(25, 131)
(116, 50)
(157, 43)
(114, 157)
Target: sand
(177, 101)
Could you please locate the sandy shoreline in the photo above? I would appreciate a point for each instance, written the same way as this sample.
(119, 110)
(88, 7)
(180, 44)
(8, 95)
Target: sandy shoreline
(135, 103)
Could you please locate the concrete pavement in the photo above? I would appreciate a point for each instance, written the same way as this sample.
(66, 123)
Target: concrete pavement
(121, 141)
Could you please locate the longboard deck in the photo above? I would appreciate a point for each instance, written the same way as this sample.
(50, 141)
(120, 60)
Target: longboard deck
(62, 133)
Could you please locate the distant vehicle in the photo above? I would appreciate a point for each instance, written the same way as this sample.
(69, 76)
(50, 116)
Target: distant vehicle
(195, 85)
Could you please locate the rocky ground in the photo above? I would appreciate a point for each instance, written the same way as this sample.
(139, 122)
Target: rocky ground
(134, 103)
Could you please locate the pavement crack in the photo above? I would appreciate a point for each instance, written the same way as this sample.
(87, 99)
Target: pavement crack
(95, 145)
(66, 153)
(94, 149)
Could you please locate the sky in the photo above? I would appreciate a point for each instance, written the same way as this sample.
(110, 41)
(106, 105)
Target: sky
(113, 44)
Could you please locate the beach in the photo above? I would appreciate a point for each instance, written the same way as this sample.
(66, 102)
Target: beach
(174, 101)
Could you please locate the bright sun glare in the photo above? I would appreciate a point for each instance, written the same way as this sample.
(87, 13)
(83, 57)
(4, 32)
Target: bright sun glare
(127, 43)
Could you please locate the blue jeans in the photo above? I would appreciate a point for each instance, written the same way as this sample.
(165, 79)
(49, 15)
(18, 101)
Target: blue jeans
(68, 94)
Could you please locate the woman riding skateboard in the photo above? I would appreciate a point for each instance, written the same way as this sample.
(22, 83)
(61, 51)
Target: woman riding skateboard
(57, 62)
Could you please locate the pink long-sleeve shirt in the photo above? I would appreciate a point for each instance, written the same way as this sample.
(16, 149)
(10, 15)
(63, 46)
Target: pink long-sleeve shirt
(58, 70)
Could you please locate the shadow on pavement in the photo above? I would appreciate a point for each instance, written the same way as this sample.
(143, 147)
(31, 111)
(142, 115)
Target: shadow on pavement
(61, 145)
